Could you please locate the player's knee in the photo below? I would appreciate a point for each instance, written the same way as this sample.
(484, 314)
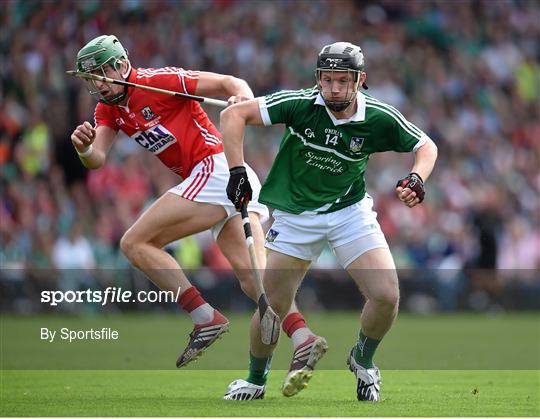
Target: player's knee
(242, 270)
(387, 300)
(279, 304)
(280, 309)
(246, 284)
(129, 245)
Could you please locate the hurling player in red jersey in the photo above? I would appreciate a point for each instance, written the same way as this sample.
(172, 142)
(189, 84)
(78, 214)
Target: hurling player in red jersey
(180, 134)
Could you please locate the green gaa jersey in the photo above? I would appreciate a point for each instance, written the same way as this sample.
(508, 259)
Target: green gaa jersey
(321, 160)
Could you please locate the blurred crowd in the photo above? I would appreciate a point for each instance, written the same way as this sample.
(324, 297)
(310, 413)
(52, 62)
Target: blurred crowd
(466, 72)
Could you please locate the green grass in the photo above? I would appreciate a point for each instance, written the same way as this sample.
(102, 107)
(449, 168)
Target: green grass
(440, 365)
(331, 393)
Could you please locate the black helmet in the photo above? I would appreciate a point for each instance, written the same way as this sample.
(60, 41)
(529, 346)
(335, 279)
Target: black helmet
(340, 56)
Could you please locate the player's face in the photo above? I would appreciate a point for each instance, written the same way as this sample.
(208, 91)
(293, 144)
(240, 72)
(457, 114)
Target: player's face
(107, 90)
(337, 85)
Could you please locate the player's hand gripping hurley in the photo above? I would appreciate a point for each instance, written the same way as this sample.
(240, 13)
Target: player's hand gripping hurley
(270, 321)
(90, 76)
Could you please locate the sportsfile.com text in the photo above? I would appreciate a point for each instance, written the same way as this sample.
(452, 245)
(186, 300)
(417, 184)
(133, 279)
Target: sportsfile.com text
(108, 295)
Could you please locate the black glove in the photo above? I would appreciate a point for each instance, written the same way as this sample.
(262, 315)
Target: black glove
(238, 188)
(414, 182)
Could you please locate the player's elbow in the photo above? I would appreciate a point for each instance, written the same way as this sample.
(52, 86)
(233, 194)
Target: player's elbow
(433, 152)
(428, 152)
(235, 86)
(230, 84)
(224, 116)
(432, 149)
(228, 116)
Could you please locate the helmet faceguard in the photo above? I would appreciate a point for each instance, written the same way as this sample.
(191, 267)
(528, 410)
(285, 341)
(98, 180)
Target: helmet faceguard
(95, 57)
(340, 57)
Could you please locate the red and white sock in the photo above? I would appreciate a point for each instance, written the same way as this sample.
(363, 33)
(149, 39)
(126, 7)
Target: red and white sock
(192, 302)
(296, 328)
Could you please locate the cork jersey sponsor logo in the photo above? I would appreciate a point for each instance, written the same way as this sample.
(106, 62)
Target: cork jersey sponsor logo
(325, 162)
(356, 144)
(155, 139)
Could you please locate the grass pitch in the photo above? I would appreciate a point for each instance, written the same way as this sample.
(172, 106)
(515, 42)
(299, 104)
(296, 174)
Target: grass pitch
(445, 365)
(330, 393)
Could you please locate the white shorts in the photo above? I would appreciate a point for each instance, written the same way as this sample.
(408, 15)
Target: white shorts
(207, 183)
(304, 236)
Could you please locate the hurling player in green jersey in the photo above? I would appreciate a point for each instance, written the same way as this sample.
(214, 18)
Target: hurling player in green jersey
(317, 188)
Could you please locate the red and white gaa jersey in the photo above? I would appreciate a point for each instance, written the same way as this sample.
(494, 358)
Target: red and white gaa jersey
(176, 130)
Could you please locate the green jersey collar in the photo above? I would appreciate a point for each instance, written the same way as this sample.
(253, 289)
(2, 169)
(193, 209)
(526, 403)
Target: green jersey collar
(359, 116)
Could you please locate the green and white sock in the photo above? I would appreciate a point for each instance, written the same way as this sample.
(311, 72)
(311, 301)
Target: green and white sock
(258, 370)
(364, 350)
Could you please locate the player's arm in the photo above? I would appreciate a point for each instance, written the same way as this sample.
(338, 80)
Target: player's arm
(410, 190)
(233, 122)
(214, 84)
(92, 144)
(425, 158)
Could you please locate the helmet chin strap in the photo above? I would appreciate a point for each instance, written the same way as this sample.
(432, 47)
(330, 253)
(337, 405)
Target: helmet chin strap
(338, 106)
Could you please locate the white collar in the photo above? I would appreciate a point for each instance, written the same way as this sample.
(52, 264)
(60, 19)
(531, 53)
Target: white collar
(358, 116)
